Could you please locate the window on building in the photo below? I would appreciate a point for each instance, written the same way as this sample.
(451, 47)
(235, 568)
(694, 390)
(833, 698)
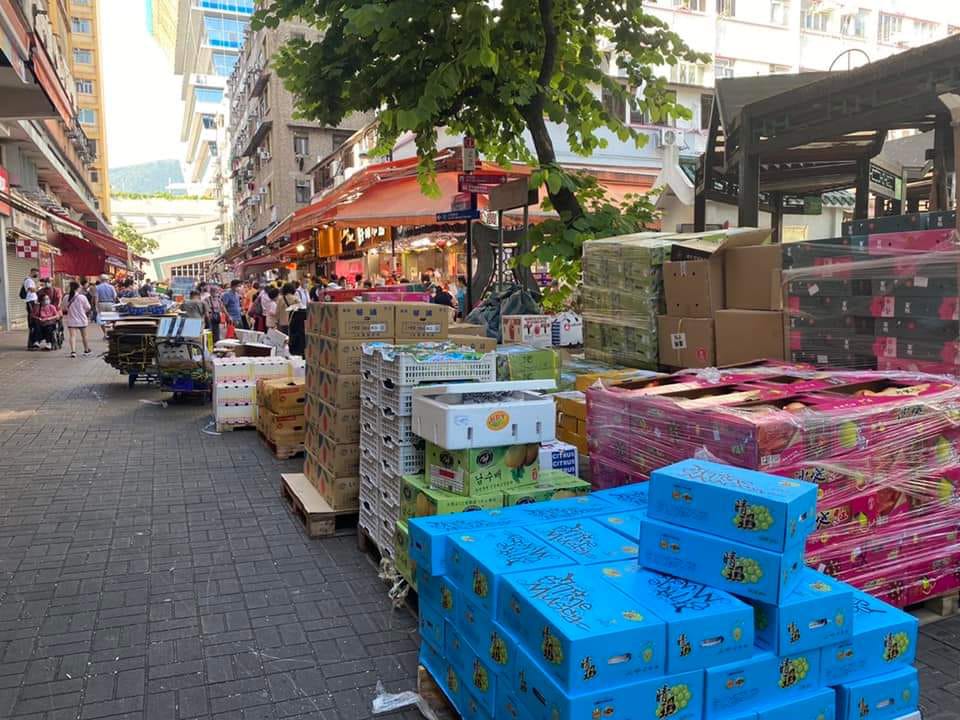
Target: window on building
(813, 17)
(303, 191)
(854, 24)
(92, 147)
(223, 63)
(614, 104)
(81, 25)
(241, 6)
(85, 87)
(224, 32)
(95, 176)
(301, 145)
(209, 122)
(636, 116)
(197, 270)
(889, 28)
(694, 5)
(339, 137)
(212, 148)
(82, 56)
(924, 31)
(208, 95)
(727, 8)
(687, 74)
(87, 116)
(706, 110)
(723, 68)
(780, 12)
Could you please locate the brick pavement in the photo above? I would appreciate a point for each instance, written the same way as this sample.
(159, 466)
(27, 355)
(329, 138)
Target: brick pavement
(150, 570)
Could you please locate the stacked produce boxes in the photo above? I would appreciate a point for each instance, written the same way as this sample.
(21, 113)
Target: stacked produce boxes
(280, 415)
(883, 449)
(543, 612)
(235, 386)
(883, 296)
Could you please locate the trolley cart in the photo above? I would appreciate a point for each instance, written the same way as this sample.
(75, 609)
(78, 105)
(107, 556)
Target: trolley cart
(181, 359)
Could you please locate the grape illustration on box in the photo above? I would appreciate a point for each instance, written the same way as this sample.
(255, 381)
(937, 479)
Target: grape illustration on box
(671, 700)
(480, 679)
(551, 648)
(498, 649)
(793, 671)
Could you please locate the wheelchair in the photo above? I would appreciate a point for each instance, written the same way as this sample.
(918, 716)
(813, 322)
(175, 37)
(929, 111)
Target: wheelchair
(57, 335)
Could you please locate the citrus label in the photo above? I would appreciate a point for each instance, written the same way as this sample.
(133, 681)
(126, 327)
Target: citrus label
(498, 420)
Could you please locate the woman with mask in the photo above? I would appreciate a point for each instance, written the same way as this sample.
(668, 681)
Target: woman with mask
(46, 319)
(76, 309)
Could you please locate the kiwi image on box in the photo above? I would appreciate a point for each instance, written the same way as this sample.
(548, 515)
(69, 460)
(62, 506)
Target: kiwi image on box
(477, 471)
(418, 499)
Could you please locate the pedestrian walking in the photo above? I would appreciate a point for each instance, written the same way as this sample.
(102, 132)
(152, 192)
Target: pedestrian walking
(268, 304)
(76, 308)
(233, 304)
(28, 293)
(106, 300)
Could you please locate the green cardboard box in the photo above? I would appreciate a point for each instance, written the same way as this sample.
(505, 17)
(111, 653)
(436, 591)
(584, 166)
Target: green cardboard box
(553, 485)
(417, 499)
(401, 545)
(478, 471)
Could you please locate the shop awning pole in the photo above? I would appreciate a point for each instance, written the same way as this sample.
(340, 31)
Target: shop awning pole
(469, 307)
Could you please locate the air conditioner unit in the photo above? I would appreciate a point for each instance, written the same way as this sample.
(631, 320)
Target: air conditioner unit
(671, 137)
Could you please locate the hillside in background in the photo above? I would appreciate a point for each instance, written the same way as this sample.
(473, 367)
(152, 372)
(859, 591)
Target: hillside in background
(146, 178)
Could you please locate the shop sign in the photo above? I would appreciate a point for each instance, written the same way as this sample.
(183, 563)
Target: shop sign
(884, 182)
(458, 215)
(29, 224)
(464, 201)
(4, 190)
(469, 154)
(479, 183)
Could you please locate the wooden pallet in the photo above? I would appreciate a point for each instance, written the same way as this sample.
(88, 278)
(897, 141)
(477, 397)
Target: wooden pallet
(282, 452)
(230, 427)
(318, 518)
(434, 696)
(936, 608)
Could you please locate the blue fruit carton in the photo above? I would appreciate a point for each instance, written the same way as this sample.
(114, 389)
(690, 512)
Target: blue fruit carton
(442, 671)
(636, 495)
(484, 634)
(883, 638)
(817, 705)
(882, 697)
(705, 626)
(472, 708)
(566, 509)
(585, 632)
(477, 561)
(508, 706)
(816, 613)
(428, 535)
(438, 593)
(744, 570)
(478, 677)
(431, 625)
(586, 541)
(764, 511)
(764, 680)
(626, 523)
(432, 658)
(678, 697)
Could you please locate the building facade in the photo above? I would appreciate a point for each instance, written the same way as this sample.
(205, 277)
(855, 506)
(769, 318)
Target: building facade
(209, 37)
(50, 209)
(162, 17)
(271, 152)
(86, 60)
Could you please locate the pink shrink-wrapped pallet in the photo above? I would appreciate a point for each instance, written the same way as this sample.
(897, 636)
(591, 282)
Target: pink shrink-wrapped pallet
(883, 447)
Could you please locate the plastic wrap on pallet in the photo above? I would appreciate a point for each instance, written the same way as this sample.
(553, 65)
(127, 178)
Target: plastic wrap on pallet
(887, 301)
(883, 448)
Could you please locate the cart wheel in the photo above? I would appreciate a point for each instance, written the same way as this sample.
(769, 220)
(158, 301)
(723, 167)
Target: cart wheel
(131, 380)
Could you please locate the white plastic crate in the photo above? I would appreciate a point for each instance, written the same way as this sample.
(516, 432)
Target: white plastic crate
(369, 437)
(370, 417)
(390, 487)
(234, 393)
(398, 399)
(370, 390)
(401, 459)
(477, 415)
(404, 368)
(399, 430)
(369, 518)
(370, 464)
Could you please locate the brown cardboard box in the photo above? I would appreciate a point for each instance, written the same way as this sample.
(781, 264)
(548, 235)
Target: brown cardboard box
(752, 277)
(477, 342)
(282, 429)
(340, 493)
(694, 288)
(460, 328)
(339, 356)
(333, 388)
(342, 425)
(578, 441)
(685, 342)
(744, 335)
(581, 428)
(567, 422)
(284, 396)
(421, 321)
(572, 403)
(342, 459)
(350, 320)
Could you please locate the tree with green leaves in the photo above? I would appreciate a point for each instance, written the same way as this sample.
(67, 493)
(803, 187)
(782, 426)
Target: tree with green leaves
(494, 71)
(138, 243)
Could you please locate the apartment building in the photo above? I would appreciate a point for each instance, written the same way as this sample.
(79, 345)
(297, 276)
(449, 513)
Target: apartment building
(86, 60)
(162, 17)
(209, 37)
(50, 208)
(271, 152)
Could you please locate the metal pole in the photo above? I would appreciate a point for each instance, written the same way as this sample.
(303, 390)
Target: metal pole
(499, 250)
(469, 270)
(525, 247)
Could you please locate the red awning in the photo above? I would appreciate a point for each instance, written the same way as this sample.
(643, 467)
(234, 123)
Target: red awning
(107, 243)
(78, 257)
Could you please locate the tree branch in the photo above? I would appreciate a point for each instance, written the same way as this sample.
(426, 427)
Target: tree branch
(549, 44)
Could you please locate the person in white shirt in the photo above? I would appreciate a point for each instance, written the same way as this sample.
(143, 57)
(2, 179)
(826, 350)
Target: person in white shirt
(302, 295)
(29, 295)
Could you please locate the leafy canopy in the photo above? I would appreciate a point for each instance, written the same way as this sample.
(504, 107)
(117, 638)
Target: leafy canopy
(136, 241)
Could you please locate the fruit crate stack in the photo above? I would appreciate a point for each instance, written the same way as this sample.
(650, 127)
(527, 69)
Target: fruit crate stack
(883, 449)
(564, 610)
(884, 295)
(235, 386)
(388, 448)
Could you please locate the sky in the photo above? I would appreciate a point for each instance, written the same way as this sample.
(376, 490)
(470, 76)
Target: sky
(141, 93)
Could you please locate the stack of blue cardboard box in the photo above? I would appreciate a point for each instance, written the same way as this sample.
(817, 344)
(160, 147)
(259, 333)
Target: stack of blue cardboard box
(683, 598)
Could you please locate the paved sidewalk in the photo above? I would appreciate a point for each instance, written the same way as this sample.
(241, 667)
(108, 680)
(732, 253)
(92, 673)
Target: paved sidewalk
(150, 570)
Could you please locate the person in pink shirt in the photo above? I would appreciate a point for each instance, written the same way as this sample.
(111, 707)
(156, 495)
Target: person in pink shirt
(46, 319)
(76, 310)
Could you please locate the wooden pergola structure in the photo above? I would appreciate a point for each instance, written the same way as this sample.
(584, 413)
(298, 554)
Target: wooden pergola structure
(816, 132)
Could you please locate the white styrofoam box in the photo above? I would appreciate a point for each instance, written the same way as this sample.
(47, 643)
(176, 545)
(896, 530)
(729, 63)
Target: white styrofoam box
(275, 338)
(251, 369)
(477, 415)
(235, 414)
(235, 393)
(249, 336)
(231, 370)
(558, 455)
(531, 330)
(401, 459)
(298, 367)
(271, 367)
(567, 329)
